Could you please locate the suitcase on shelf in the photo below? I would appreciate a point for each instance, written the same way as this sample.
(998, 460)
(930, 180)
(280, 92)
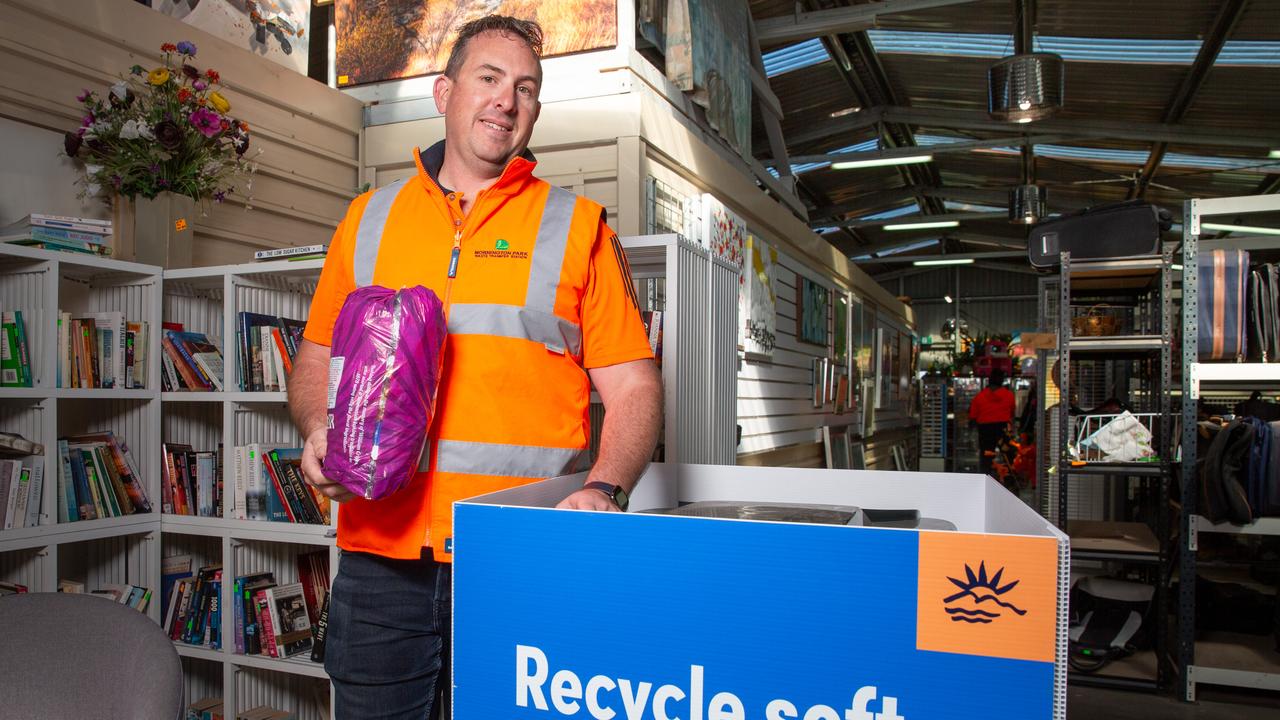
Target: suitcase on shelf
(1223, 279)
(1114, 231)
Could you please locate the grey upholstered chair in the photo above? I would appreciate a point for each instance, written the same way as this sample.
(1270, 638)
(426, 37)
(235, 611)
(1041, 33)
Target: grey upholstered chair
(83, 656)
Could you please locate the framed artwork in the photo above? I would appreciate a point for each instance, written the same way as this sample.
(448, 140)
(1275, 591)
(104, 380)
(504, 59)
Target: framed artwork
(819, 382)
(811, 311)
(857, 456)
(758, 313)
(396, 39)
(279, 31)
(835, 441)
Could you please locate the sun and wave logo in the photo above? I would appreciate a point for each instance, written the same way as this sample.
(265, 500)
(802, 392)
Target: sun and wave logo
(980, 598)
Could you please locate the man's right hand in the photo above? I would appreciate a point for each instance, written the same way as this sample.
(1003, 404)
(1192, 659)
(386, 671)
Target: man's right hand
(313, 452)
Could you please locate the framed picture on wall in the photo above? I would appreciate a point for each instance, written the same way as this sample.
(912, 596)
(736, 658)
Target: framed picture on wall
(835, 441)
(812, 300)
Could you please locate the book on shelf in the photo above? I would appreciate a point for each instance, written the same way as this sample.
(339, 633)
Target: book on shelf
(101, 350)
(189, 361)
(61, 240)
(321, 631)
(8, 588)
(63, 222)
(172, 569)
(653, 328)
(189, 481)
(290, 621)
(313, 573)
(243, 617)
(131, 595)
(70, 586)
(21, 492)
(270, 486)
(265, 712)
(15, 356)
(308, 251)
(14, 445)
(98, 478)
(205, 709)
(194, 609)
(266, 346)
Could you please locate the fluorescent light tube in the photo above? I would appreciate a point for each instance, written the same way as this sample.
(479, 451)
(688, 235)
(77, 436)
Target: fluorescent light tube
(924, 225)
(957, 261)
(881, 162)
(947, 298)
(1247, 229)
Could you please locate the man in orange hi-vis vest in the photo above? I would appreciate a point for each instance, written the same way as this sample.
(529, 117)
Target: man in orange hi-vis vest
(541, 307)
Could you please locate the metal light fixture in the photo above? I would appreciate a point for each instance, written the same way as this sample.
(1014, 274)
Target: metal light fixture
(1027, 204)
(930, 263)
(1026, 87)
(882, 162)
(923, 225)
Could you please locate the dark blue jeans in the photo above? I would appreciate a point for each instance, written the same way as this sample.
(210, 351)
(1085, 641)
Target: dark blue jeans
(387, 649)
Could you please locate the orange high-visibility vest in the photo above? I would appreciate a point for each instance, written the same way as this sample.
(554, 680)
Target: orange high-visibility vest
(512, 404)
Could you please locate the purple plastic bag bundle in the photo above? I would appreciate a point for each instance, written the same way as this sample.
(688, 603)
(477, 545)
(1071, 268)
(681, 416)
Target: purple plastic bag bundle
(383, 371)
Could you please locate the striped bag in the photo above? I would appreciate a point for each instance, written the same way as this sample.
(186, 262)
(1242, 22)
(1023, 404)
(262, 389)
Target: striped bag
(1223, 279)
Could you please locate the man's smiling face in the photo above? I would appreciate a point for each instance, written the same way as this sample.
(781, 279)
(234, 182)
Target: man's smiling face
(492, 104)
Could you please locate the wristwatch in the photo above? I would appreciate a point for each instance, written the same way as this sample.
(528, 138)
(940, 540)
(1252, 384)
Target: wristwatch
(615, 493)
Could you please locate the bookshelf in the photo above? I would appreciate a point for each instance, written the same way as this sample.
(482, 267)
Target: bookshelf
(109, 550)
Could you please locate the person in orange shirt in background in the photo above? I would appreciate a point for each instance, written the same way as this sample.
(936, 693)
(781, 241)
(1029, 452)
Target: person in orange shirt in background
(992, 410)
(541, 308)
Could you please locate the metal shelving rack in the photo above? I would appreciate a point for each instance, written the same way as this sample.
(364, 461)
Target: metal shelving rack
(1235, 660)
(1146, 283)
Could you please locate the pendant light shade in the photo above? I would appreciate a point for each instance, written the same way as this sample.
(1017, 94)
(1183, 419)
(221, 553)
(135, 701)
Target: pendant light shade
(1026, 87)
(1027, 204)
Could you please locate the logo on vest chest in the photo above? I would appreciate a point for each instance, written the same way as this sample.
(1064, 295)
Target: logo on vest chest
(501, 251)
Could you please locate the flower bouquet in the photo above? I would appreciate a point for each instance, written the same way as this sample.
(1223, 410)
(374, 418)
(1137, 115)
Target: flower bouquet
(163, 130)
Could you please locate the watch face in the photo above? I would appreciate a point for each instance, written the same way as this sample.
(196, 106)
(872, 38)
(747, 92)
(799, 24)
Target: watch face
(620, 496)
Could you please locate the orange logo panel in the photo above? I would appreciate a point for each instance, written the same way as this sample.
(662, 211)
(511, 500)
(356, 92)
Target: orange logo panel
(988, 595)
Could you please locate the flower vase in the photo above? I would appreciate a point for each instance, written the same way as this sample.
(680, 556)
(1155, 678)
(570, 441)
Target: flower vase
(157, 231)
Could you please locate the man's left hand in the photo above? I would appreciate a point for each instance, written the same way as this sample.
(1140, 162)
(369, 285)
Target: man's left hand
(587, 499)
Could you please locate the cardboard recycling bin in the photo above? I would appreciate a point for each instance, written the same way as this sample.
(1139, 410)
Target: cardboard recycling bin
(563, 613)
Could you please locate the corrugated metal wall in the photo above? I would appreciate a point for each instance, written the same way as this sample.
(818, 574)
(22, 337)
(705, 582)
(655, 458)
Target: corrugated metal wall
(1011, 305)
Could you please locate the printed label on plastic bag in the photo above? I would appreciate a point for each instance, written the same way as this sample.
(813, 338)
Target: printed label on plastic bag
(335, 376)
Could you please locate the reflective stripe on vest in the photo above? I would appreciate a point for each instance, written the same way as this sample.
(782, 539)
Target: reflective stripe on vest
(496, 459)
(536, 320)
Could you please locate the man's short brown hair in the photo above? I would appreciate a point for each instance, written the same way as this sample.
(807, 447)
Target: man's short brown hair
(526, 31)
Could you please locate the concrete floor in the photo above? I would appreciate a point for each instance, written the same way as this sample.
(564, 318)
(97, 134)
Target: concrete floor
(1085, 703)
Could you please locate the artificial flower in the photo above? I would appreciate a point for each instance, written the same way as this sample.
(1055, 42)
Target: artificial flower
(159, 76)
(71, 143)
(168, 134)
(206, 121)
(190, 72)
(168, 47)
(120, 90)
(213, 76)
(84, 95)
(187, 48)
(134, 129)
(184, 95)
(200, 85)
(218, 102)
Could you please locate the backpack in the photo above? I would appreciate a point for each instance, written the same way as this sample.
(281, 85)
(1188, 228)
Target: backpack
(1110, 619)
(1224, 475)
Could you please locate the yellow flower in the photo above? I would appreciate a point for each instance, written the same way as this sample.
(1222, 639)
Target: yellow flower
(219, 103)
(159, 76)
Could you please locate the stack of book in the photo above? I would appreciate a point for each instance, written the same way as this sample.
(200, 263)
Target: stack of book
(265, 712)
(269, 486)
(8, 588)
(205, 709)
(192, 611)
(282, 620)
(15, 354)
(189, 361)
(266, 346)
(60, 232)
(192, 481)
(21, 490)
(98, 478)
(101, 350)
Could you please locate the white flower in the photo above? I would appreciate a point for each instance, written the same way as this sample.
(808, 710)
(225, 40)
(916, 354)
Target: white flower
(134, 129)
(91, 170)
(120, 90)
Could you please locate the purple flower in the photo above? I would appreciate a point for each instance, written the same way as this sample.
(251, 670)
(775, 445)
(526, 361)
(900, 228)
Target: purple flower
(206, 121)
(186, 47)
(87, 120)
(241, 144)
(117, 181)
(162, 183)
(168, 134)
(85, 94)
(219, 195)
(154, 169)
(200, 85)
(71, 143)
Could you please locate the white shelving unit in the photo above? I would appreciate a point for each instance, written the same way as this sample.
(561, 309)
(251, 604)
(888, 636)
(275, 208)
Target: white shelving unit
(1219, 658)
(208, 300)
(125, 549)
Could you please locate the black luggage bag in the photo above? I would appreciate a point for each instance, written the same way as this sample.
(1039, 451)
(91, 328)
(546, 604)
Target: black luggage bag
(1117, 230)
